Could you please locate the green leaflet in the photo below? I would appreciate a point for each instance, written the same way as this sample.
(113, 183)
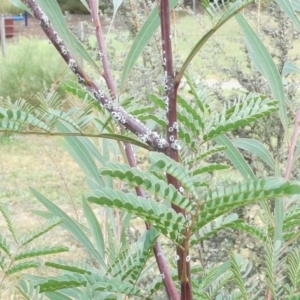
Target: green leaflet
(288, 68)
(50, 224)
(220, 202)
(293, 267)
(288, 8)
(175, 169)
(70, 225)
(100, 283)
(147, 181)
(164, 219)
(94, 227)
(22, 266)
(235, 157)
(266, 66)
(34, 252)
(9, 221)
(20, 5)
(239, 115)
(255, 147)
(4, 245)
(67, 267)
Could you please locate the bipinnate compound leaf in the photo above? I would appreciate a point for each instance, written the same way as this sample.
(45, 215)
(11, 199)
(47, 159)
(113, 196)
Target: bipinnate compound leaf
(129, 264)
(294, 267)
(239, 115)
(221, 201)
(9, 220)
(175, 169)
(67, 266)
(4, 245)
(164, 219)
(99, 283)
(18, 120)
(22, 266)
(34, 252)
(50, 224)
(236, 266)
(147, 181)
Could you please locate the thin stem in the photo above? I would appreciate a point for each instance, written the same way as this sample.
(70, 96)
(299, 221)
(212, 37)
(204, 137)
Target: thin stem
(102, 49)
(183, 264)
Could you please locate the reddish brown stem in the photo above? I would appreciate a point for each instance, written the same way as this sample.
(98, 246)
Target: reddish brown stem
(183, 264)
(102, 49)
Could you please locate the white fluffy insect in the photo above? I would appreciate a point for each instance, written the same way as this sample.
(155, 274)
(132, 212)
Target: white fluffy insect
(188, 258)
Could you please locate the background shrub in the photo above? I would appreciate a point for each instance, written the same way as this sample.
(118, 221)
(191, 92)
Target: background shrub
(7, 8)
(31, 66)
(76, 7)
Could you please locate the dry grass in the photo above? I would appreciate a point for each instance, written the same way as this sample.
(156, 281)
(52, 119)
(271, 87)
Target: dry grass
(43, 164)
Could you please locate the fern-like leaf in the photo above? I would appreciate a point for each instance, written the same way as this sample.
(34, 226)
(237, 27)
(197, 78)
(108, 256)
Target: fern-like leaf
(241, 114)
(68, 266)
(34, 252)
(17, 120)
(175, 169)
(213, 227)
(147, 181)
(99, 283)
(9, 221)
(294, 267)
(2, 262)
(22, 266)
(164, 219)
(220, 201)
(4, 245)
(207, 152)
(131, 264)
(236, 264)
(50, 224)
(209, 168)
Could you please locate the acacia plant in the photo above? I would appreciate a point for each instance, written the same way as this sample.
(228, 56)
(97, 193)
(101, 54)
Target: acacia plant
(175, 195)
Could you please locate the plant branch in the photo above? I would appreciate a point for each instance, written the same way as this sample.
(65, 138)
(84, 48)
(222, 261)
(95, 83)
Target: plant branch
(183, 264)
(102, 49)
(159, 255)
(118, 113)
